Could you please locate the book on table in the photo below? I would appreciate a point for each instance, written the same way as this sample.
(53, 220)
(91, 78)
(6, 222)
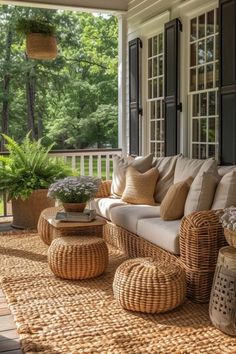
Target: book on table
(86, 216)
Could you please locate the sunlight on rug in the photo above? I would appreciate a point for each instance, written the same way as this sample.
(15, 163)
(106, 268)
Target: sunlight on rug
(56, 316)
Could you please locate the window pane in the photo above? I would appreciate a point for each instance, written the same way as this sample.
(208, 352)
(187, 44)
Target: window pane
(152, 148)
(203, 151)
(149, 68)
(150, 47)
(209, 76)
(201, 52)
(195, 105)
(212, 103)
(216, 47)
(210, 22)
(160, 42)
(160, 87)
(217, 20)
(158, 130)
(193, 31)
(155, 88)
(150, 89)
(193, 54)
(201, 78)
(203, 104)
(195, 151)
(154, 67)
(193, 80)
(203, 130)
(212, 130)
(195, 132)
(152, 130)
(210, 49)
(152, 110)
(160, 65)
(201, 26)
(154, 46)
(212, 151)
(158, 109)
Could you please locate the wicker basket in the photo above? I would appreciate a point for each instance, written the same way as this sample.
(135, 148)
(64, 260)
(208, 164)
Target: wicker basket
(75, 257)
(146, 285)
(230, 236)
(41, 46)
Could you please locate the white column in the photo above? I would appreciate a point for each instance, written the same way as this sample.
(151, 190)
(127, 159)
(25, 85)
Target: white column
(122, 83)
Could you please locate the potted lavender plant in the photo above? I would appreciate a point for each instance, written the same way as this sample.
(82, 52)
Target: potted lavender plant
(74, 192)
(228, 220)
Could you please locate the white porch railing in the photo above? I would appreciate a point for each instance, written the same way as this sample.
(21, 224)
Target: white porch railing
(91, 162)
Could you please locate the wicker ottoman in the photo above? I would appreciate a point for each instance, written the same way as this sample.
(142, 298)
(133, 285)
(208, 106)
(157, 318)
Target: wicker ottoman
(78, 257)
(146, 285)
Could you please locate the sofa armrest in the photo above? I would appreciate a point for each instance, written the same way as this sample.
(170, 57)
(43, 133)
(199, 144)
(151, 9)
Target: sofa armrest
(201, 237)
(104, 189)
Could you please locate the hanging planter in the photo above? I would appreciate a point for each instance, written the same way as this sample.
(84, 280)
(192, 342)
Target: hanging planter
(40, 39)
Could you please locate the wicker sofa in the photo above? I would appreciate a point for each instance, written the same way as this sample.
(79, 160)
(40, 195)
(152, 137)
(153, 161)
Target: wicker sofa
(200, 238)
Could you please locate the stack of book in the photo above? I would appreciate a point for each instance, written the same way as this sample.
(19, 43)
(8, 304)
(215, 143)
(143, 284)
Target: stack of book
(86, 216)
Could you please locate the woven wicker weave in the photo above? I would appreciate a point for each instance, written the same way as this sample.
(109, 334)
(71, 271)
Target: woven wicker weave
(201, 237)
(78, 257)
(230, 236)
(41, 46)
(146, 285)
(104, 189)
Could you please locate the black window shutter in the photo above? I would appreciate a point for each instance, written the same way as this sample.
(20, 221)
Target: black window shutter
(227, 94)
(134, 95)
(172, 70)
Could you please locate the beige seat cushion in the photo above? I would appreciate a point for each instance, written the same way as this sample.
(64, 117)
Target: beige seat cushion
(172, 206)
(127, 216)
(103, 206)
(186, 167)
(120, 165)
(164, 234)
(139, 188)
(225, 195)
(166, 168)
(201, 193)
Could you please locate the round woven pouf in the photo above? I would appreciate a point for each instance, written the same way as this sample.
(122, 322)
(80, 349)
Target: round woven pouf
(78, 257)
(146, 285)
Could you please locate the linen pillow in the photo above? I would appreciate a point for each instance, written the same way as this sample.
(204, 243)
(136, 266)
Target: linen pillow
(120, 165)
(186, 167)
(225, 195)
(166, 168)
(139, 188)
(201, 193)
(172, 206)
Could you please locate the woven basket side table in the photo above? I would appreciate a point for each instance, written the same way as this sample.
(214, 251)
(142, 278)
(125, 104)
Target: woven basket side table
(146, 285)
(222, 307)
(75, 257)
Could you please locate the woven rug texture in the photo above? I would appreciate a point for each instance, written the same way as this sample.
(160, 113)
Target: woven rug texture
(56, 316)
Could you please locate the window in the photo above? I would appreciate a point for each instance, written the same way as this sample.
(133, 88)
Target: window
(203, 85)
(155, 99)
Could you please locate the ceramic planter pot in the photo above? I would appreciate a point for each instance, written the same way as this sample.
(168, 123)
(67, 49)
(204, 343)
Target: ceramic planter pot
(26, 212)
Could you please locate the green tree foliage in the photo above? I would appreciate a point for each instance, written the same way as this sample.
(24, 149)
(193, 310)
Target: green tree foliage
(71, 101)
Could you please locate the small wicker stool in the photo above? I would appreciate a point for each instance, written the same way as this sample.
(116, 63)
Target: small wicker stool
(146, 285)
(222, 307)
(78, 257)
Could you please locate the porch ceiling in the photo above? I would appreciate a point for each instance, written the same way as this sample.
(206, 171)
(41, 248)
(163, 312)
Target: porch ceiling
(114, 6)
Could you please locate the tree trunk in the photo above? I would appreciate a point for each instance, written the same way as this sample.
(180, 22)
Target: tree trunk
(6, 86)
(40, 124)
(30, 95)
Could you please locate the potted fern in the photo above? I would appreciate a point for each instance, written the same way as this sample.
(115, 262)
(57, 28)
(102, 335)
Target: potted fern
(25, 175)
(40, 38)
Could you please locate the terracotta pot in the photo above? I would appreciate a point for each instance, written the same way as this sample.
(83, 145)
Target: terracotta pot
(41, 46)
(76, 207)
(26, 212)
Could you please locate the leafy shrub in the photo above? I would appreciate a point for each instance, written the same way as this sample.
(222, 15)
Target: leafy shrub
(28, 167)
(27, 26)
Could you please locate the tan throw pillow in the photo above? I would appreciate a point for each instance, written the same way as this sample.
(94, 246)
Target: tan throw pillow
(172, 206)
(120, 165)
(166, 168)
(139, 188)
(201, 193)
(225, 195)
(186, 167)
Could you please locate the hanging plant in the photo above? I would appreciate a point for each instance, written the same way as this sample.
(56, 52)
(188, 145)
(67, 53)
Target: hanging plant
(40, 38)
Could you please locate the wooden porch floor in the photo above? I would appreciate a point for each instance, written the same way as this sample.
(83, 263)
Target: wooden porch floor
(9, 340)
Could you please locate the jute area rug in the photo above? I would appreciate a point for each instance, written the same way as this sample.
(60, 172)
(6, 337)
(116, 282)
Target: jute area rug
(55, 316)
